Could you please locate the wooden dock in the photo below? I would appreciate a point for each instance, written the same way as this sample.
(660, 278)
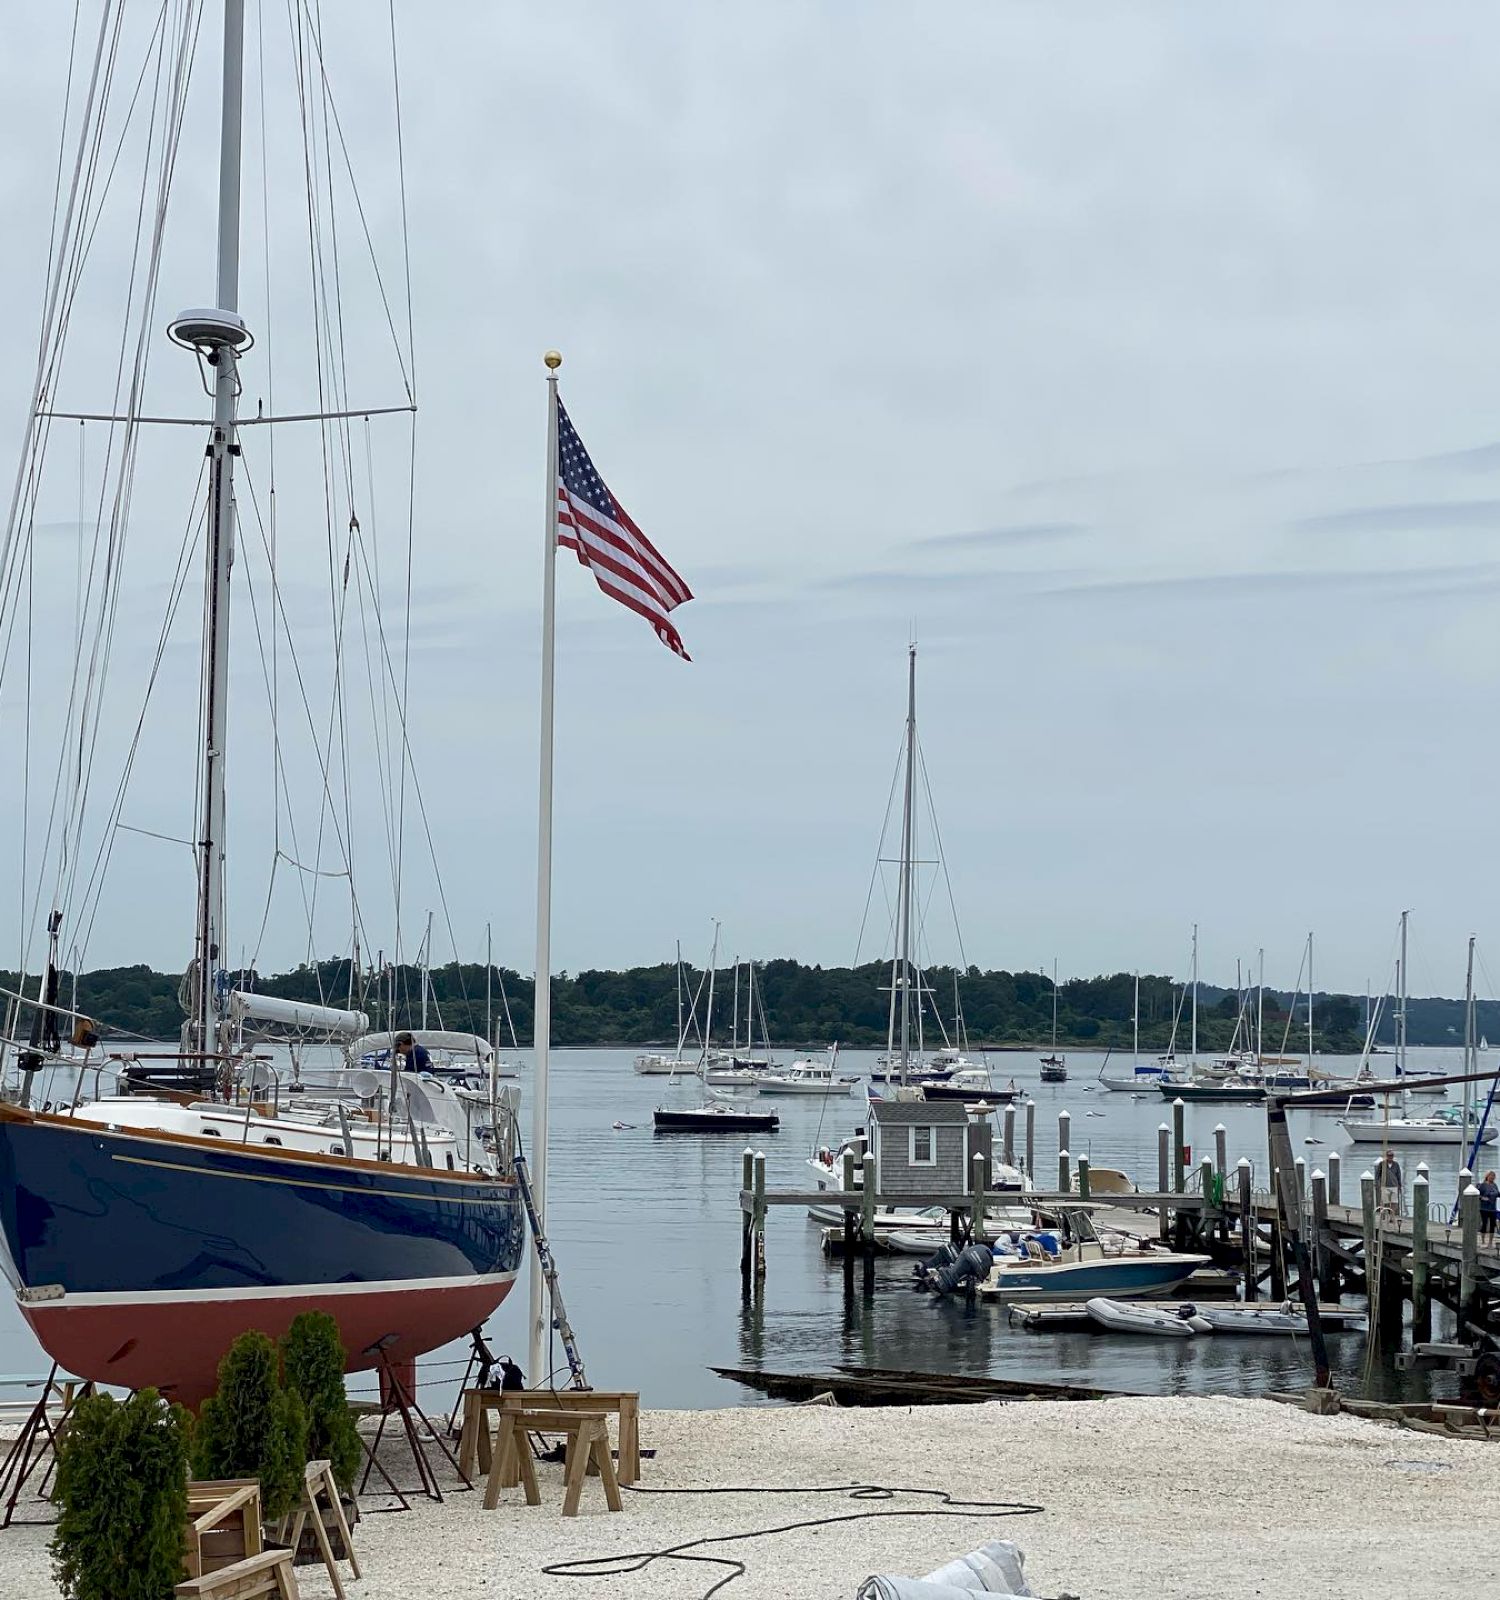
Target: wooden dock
(1293, 1237)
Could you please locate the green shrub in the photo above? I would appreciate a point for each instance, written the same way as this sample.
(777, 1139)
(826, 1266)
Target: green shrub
(313, 1360)
(253, 1428)
(122, 1486)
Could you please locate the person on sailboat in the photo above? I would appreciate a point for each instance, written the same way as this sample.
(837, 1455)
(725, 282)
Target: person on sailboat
(414, 1057)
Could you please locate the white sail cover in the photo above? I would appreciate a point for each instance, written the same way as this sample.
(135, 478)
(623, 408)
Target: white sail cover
(302, 1014)
(468, 1044)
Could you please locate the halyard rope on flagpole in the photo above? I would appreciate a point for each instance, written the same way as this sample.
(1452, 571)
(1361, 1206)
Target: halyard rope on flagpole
(542, 1011)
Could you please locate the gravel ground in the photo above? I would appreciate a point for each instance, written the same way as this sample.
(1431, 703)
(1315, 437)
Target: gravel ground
(1171, 1499)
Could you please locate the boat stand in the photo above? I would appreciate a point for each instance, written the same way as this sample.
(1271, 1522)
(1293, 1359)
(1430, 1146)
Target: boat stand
(399, 1399)
(36, 1442)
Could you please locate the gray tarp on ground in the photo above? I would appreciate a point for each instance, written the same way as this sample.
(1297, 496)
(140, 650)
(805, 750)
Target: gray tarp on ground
(994, 1568)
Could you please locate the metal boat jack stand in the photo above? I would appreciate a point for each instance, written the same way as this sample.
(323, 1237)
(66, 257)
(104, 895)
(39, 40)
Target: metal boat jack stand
(398, 1397)
(35, 1443)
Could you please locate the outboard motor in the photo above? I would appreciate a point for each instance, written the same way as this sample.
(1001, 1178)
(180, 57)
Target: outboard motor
(971, 1266)
(946, 1255)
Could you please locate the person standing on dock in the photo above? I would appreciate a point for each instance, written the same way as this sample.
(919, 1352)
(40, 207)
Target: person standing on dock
(1489, 1208)
(1389, 1177)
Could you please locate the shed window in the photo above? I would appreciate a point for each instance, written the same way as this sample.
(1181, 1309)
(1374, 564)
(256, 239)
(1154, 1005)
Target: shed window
(920, 1152)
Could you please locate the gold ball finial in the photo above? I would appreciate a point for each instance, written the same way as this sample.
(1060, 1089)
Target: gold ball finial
(553, 358)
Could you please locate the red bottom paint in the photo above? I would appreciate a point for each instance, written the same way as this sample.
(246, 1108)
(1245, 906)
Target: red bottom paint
(176, 1346)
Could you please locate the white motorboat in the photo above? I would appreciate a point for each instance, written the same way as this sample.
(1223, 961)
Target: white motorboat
(969, 1084)
(1447, 1125)
(1076, 1263)
(1125, 1316)
(807, 1076)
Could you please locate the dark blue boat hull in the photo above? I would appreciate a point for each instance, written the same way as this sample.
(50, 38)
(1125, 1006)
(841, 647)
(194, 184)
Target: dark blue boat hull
(141, 1256)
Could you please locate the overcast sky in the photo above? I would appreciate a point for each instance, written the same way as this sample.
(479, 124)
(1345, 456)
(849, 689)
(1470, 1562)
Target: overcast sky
(1142, 362)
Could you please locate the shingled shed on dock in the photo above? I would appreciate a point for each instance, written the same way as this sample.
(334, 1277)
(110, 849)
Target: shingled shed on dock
(923, 1147)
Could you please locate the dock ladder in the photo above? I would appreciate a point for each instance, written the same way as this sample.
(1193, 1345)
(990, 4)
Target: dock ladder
(544, 1258)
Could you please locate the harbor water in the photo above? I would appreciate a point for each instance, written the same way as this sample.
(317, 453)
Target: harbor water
(646, 1231)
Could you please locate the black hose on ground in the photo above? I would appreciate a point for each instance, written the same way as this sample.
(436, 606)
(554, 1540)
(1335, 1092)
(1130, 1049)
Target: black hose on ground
(638, 1560)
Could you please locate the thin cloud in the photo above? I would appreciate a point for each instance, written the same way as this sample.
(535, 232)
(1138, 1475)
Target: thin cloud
(1017, 533)
(1432, 515)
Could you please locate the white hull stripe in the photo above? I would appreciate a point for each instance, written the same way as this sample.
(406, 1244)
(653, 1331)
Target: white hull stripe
(295, 1291)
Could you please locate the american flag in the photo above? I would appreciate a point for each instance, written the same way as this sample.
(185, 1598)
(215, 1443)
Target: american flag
(625, 564)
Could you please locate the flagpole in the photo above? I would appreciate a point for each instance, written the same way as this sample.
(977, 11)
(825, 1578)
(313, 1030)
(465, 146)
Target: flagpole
(542, 1011)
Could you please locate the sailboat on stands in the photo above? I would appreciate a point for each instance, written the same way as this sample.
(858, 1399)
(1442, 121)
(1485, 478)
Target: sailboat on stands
(144, 1232)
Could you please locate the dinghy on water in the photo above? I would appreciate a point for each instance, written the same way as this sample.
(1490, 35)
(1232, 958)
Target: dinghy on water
(1123, 1316)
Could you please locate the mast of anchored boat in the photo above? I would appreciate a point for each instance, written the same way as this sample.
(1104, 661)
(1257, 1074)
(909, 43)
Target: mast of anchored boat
(1401, 1003)
(1195, 998)
(907, 809)
(217, 336)
(1471, 1039)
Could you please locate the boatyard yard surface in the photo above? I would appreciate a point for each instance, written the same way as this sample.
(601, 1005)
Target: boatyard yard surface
(1168, 1498)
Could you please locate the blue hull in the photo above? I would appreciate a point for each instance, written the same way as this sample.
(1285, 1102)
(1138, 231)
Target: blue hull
(135, 1251)
(1084, 1279)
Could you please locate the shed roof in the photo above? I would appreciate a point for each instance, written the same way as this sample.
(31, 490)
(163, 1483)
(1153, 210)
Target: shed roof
(926, 1112)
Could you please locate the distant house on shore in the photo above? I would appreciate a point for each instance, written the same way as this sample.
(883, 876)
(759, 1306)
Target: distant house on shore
(924, 1146)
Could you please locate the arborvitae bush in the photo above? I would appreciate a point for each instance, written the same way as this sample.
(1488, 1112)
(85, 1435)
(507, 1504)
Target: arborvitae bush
(313, 1360)
(122, 1485)
(253, 1428)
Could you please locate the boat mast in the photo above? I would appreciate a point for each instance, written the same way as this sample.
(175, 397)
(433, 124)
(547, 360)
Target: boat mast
(1135, 1023)
(1260, 1007)
(1195, 995)
(679, 1000)
(1401, 1003)
(1309, 1004)
(1471, 1062)
(426, 964)
(220, 348)
(750, 1007)
(907, 808)
(489, 1009)
(708, 1021)
(734, 1027)
(1054, 1005)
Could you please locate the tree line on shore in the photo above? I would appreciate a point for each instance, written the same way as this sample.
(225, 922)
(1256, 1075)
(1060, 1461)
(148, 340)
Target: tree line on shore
(795, 1005)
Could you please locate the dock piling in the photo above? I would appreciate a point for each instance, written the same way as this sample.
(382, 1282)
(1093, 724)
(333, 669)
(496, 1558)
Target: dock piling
(1031, 1138)
(1083, 1177)
(1372, 1276)
(1064, 1160)
(747, 1218)
(1163, 1173)
(1323, 1268)
(1064, 1130)
(1247, 1226)
(1206, 1179)
(851, 1232)
(759, 1187)
(867, 1217)
(1008, 1147)
(1179, 1148)
(977, 1186)
(1333, 1178)
(1221, 1150)
(1470, 1296)
(1421, 1288)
